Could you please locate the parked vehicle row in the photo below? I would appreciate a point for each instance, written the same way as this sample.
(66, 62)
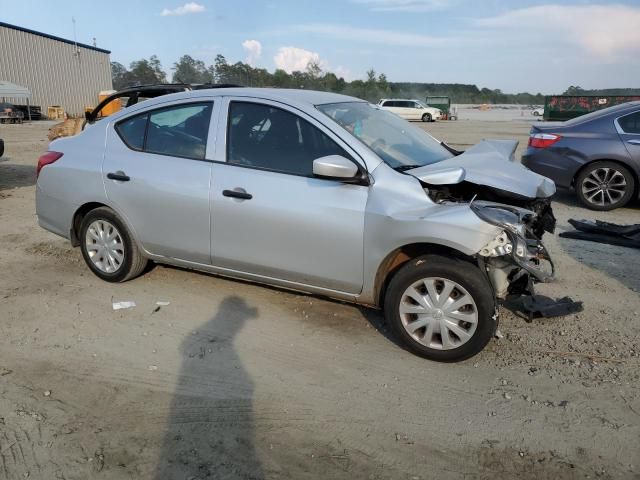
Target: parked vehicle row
(307, 190)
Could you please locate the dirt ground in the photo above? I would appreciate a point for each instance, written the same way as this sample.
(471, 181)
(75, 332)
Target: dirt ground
(234, 380)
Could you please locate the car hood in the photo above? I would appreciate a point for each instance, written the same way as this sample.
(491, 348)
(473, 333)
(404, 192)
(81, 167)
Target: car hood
(490, 163)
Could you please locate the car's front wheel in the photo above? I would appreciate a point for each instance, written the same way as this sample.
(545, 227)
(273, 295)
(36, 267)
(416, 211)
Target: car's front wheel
(426, 117)
(108, 247)
(441, 308)
(605, 186)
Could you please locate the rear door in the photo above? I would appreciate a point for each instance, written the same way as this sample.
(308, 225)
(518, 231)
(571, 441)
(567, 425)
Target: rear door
(628, 127)
(270, 216)
(157, 175)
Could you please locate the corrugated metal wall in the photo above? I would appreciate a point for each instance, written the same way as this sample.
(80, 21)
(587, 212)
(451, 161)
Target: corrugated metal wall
(53, 71)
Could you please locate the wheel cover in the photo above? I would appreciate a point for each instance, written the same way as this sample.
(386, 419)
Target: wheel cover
(104, 246)
(604, 186)
(438, 313)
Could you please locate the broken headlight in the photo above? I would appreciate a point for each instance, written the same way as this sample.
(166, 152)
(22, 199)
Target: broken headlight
(505, 216)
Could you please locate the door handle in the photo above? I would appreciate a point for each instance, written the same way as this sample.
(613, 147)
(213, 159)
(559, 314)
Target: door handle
(634, 142)
(119, 175)
(237, 194)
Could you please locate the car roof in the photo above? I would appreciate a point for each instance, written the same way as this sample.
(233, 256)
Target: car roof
(401, 99)
(309, 97)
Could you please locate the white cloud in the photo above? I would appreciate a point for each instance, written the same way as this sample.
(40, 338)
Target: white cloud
(404, 5)
(372, 35)
(254, 50)
(291, 59)
(191, 7)
(603, 31)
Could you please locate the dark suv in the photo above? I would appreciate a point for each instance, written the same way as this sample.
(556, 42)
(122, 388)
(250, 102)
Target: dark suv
(597, 154)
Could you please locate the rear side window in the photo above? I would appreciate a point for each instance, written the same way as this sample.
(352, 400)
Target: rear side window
(265, 137)
(131, 131)
(630, 123)
(179, 131)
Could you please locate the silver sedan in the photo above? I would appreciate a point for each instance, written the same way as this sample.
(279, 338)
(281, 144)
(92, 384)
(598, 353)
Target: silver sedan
(310, 191)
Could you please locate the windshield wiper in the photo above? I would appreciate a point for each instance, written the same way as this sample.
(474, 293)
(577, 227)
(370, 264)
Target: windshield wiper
(402, 168)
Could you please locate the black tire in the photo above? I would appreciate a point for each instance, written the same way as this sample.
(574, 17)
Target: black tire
(1, 147)
(586, 180)
(426, 117)
(465, 274)
(536, 114)
(133, 263)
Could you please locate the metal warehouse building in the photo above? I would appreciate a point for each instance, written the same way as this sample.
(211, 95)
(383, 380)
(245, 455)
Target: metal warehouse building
(58, 72)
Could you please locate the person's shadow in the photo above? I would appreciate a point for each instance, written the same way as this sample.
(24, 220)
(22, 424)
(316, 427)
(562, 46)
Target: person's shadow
(210, 428)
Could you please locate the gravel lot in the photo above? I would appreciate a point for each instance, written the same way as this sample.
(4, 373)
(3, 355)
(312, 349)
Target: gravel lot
(234, 380)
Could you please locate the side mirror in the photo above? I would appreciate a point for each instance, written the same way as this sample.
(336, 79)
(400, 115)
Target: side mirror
(87, 116)
(336, 167)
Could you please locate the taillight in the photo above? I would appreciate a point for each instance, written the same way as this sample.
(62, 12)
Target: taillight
(47, 159)
(543, 140)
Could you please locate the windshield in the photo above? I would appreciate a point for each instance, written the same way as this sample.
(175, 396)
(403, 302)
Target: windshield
(400, 145)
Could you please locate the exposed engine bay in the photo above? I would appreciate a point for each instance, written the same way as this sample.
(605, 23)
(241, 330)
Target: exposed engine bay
(464, 192)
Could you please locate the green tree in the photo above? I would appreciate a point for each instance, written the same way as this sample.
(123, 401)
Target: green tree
(221, 68)
(574, 90)
(145, 72)
(120, 76)
(281, 79)
(190, 70)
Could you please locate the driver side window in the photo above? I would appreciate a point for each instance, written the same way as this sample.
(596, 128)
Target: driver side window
(266, 137)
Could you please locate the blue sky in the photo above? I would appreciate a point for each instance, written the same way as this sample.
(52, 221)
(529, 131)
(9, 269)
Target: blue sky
(525, 45)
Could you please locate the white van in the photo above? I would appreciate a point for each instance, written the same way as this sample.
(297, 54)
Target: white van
(410, 109)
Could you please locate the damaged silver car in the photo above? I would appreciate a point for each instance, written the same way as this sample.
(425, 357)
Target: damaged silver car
(310, 191)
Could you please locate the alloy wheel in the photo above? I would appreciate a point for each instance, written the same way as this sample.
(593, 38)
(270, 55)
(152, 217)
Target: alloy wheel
(604, 186)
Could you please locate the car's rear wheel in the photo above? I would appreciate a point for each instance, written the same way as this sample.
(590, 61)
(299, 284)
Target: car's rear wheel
(605, 186)
(426, 117)
(108, 247)
(441, 308)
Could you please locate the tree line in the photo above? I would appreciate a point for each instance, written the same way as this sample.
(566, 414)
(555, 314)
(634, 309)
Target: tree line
(374, 87)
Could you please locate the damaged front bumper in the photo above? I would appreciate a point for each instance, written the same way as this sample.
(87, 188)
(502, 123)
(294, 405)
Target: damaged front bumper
(517, 258)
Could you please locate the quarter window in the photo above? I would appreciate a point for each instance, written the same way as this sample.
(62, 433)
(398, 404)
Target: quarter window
(179, 131)
(270, 138)
(132, 131)
(630, 123)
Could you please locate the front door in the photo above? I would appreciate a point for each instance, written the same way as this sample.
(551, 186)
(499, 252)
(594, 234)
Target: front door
(270, 215)
(156, 176)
